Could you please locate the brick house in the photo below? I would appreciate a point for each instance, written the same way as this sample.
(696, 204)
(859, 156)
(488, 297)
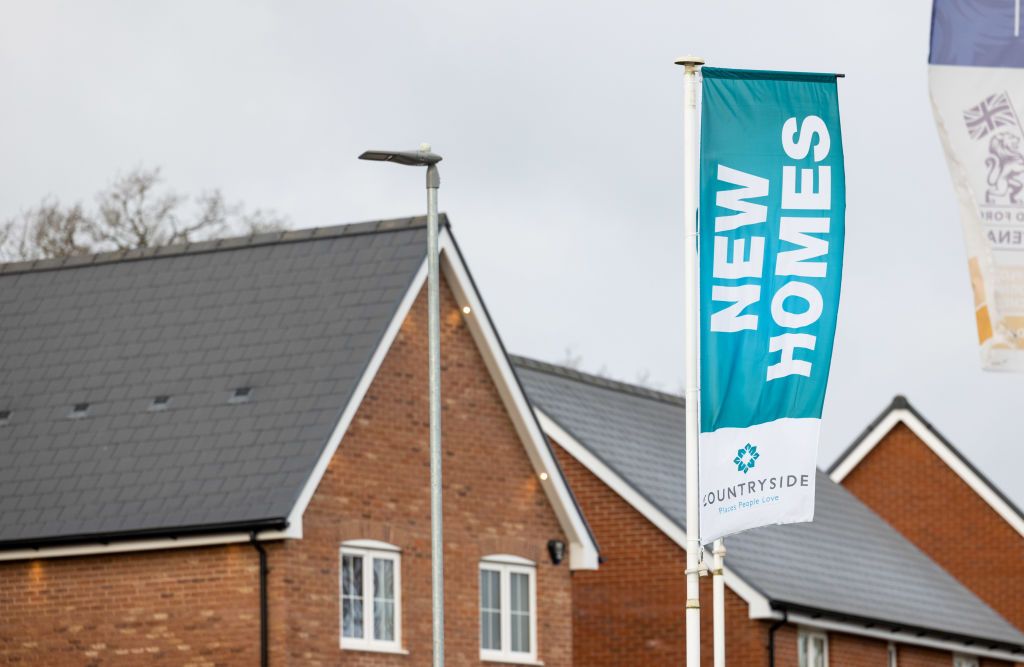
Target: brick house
(846, 589)
(912, 476)
(215, 454)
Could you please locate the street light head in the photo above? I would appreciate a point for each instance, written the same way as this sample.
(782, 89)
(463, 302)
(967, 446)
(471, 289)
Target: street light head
(420, 158)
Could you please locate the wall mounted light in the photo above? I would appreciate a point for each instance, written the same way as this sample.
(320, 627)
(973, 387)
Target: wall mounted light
(556, 549)
(543, 477)
(466, 310)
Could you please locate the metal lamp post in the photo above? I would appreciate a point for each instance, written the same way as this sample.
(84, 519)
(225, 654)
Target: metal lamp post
(425, 158)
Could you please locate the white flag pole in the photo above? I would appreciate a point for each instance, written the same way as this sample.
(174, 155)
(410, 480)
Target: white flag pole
(718, 602)
(691, 336)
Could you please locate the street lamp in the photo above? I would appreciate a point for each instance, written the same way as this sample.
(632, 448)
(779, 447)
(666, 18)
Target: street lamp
(424, 158)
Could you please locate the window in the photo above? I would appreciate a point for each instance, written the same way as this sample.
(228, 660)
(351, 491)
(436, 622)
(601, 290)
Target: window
(370, 596)
(508, 604)
(960, 660)
(812, 647)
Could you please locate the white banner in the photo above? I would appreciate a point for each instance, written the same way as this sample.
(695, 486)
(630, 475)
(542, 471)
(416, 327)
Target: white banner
(977, 91)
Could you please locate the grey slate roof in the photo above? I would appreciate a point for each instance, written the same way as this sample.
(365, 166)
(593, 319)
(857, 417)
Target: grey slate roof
(848, 563)
(295, 316)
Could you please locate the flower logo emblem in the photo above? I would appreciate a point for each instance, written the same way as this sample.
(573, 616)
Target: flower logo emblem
(746, 458)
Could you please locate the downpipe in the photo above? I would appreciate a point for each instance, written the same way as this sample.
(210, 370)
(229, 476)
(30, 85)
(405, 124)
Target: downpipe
(771, 637)
(264, 629)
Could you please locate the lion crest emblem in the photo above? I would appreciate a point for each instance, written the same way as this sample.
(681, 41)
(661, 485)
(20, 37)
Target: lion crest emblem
(1005, 164)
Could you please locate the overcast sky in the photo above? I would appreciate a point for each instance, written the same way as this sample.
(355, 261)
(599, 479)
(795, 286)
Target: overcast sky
(560, 124)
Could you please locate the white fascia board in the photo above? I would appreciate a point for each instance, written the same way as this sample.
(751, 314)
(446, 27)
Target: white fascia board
(901, 637)
(964, 471)
(940, 449)
(853, 459)
(294, 529)
(611, 479)
(129, 546)
(758, 606)
(583, 554)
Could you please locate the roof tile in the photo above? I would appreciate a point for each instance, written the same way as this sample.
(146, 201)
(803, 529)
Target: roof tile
(851, 562)
(282, 312)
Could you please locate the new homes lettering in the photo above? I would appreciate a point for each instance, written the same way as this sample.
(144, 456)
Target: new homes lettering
(738, 266)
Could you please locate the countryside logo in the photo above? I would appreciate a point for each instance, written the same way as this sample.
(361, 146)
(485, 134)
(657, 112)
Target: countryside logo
(746, 458)
(752, 491)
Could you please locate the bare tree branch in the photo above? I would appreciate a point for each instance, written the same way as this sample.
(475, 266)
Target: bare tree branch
(46, 231)
(133, 212)
(571, 359)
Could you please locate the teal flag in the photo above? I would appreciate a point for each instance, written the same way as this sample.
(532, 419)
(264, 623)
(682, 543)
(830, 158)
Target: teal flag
(772, 217)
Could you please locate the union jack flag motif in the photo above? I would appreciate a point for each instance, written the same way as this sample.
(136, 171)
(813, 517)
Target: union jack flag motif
(994, 111)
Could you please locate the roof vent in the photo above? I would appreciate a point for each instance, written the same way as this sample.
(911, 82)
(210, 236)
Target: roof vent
(241, 395)
(79, 411)
(159, 403)
(5, 417)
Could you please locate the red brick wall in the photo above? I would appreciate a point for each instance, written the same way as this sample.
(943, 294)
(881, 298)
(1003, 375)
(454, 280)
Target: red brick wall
(855, 651)
(200, 606)
(629, 613)
(919, 656)
(178, 607)
(911, 488)
(785, 645)
(916, 656)
(377, 487)
(852, 651)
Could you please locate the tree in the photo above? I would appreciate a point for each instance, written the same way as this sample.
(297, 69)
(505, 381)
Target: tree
(571, 359)
(133, 212)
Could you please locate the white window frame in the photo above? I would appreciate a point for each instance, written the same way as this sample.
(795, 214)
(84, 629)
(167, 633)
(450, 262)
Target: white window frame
(805, 633)
(507, 565)
(370, 550)
(964, 660)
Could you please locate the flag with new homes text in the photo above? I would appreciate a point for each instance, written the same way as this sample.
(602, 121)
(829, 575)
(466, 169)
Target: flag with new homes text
(772, 217)
(976, 79)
